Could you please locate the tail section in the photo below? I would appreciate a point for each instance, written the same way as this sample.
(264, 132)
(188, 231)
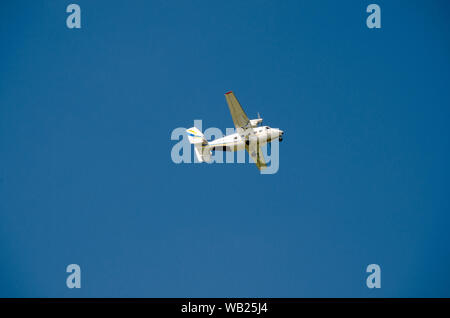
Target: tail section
(201, 149)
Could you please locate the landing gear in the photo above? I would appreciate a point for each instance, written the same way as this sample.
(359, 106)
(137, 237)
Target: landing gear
(280, 139)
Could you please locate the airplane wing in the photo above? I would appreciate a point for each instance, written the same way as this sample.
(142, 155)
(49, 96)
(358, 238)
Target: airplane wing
(240, 119)
(254, 150)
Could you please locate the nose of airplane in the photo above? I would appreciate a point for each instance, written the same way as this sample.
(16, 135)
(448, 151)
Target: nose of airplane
(280, 137)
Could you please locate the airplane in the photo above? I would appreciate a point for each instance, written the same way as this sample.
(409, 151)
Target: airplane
(249, 136)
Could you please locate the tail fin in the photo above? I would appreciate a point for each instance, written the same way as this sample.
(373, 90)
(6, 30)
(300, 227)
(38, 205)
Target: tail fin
(200, 144)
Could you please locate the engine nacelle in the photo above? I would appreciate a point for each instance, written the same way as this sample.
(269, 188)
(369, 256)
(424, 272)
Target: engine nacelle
(255, 122)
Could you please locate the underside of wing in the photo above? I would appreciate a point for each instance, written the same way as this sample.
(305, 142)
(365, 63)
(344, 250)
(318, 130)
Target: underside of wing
(257, 155)
(240, 119)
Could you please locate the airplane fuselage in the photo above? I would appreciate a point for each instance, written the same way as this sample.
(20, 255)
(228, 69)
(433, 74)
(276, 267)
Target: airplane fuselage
(238, 140)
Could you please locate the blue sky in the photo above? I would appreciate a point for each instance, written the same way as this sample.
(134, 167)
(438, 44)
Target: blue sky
(86, 175)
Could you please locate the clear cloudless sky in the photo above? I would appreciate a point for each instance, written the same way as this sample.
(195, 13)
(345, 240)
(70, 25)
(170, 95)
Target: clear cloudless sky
(86, 175)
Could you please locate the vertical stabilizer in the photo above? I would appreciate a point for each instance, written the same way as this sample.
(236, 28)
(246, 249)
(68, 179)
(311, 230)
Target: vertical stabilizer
(200, 144)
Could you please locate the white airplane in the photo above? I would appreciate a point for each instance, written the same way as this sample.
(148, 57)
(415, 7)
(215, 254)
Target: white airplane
(249, 136)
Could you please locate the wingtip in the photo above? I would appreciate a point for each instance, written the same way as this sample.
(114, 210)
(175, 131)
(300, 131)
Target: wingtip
(228, 92)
